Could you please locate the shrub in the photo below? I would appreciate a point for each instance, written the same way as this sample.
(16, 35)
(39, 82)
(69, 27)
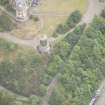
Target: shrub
(70, 23)
(103, 13)
(5, 23)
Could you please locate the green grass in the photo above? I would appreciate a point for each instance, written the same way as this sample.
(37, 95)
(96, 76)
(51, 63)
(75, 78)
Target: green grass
(50, 23)
(61, 7)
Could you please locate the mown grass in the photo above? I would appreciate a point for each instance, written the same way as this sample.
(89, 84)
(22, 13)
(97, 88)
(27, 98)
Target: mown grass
(50, 22)
(64, 7)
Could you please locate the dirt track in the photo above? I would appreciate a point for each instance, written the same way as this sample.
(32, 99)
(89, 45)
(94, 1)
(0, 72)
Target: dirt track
(101, 99)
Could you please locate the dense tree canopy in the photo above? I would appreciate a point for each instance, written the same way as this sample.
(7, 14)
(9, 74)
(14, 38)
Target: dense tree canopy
(84, 67)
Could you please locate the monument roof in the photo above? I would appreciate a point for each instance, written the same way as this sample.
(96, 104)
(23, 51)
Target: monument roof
(21, 4)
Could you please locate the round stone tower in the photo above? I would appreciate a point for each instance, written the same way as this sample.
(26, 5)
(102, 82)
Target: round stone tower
(21, 10)
(21, 7)
(44, 45)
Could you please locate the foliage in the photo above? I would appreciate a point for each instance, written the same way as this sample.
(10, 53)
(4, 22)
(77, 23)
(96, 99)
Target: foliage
(71, 22)
(6, 99)
(5, 23)
(103, 13)
(19, 68)
(56, 98)
(4, 2)
(84, 67)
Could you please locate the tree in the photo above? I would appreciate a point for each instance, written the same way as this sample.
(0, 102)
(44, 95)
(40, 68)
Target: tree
(73, 19)
(103, 13)
(62, 49)
(56, 98)
(6, 99)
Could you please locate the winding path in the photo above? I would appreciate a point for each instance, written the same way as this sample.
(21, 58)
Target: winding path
(94, 8)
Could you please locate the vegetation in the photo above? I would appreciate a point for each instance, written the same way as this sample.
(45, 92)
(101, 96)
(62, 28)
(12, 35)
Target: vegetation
(19, 68)
(78, 59)
(70, 23)
(83, 69)
(58, 7)
(5, 23)
(103, 13)
(30, 29)
(6, 99)
(102, 0)
(36, 19)
(4, 2)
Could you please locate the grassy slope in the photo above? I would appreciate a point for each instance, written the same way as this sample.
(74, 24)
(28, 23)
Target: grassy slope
(59, 6)
(65, 7)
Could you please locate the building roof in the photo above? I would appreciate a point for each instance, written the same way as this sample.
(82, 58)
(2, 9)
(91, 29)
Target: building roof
(21, 4)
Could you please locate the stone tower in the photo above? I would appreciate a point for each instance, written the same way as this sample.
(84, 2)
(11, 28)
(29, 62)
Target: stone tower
(21, 7)
(44, 46)
(21, 10)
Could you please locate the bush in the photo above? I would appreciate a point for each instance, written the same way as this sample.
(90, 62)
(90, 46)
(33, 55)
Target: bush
(84, 68)
(4, 2)
(5, 23)
(70, 23)
(7, 46)
(56, 98)
(73, 37)
(61, 29)
(36, 19)
(73, 19)
(103, 13)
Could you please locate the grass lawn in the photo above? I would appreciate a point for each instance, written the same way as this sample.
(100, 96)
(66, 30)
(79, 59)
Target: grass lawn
(50, 22)
(26, 30)
(64, 7)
